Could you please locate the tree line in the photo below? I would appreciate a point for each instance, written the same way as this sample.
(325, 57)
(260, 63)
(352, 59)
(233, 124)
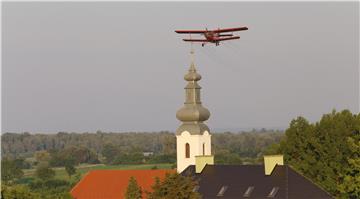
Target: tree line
(122, 148)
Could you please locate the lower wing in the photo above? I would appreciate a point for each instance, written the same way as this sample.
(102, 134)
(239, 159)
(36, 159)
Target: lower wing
(226, 35)
(227, 38)
(196, 40)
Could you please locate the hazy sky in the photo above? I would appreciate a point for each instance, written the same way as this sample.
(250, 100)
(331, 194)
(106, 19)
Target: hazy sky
(119, 66)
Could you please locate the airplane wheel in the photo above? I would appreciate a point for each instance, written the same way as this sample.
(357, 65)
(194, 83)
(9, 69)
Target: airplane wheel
(202, 45)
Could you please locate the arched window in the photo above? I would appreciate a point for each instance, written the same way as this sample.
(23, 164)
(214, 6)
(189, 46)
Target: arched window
(203, 148)
(187, 150)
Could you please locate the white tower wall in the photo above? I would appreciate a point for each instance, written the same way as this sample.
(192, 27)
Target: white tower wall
(196, 148)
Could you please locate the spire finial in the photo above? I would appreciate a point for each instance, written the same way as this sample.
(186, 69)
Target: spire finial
(192, 59)
(192, 75)
(192, 56)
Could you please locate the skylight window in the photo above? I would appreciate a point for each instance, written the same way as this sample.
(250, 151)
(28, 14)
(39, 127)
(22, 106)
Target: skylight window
(222, 191)
(196, 188)
(273, 192)
(248, 192)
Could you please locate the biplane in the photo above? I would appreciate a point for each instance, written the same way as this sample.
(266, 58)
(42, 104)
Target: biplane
(212, 36)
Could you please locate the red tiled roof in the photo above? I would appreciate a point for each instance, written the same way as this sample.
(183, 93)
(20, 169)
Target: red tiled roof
(112, 184)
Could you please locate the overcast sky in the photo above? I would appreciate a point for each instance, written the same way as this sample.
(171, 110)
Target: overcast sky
(119, 66)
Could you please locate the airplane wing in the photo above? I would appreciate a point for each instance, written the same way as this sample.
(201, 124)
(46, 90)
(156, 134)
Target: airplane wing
(230, 29)
(196, 40)
(190, 31)
(227, 38)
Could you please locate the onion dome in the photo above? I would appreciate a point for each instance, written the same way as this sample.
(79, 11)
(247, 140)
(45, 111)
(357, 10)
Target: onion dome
(192, 114)
(192, 75)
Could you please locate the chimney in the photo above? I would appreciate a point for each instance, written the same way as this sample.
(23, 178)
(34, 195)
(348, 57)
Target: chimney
(201, 161)
(270, 161)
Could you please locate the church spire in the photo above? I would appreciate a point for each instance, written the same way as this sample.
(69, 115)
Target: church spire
(192, 114)
(193, 138)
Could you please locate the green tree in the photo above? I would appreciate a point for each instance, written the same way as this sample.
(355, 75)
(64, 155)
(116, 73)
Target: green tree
(174, 186)
(22, 164)
(70, 169)
(42, 156)
(351, 176)
(44, 172)
(110, 151)
(272, 149)
(18, 192)
(133, 190)
(327, 151)
(10, 170)
(226, 157)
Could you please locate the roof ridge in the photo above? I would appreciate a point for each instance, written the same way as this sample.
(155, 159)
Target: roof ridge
(239, 165)
(131, 170)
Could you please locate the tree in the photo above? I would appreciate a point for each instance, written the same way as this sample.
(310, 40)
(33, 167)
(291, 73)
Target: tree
(18, 191)
(272, 149)
(351, 176)
(44, 172)
(327, 151)
(109, 152)
(42, 156)
(10, 170)
(174, 186)
(226, 157)
(70, 169)
(22, 164)
(77, 154)
(133, 190)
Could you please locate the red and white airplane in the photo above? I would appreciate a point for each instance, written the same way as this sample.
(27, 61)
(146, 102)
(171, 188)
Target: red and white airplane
(212, 36)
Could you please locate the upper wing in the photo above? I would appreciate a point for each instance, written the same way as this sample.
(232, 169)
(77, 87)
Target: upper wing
(230, 29)
(190, 31)
(196, 40)
(227, 38)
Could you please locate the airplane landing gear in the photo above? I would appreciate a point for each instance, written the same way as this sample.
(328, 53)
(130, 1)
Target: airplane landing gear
(202, 44)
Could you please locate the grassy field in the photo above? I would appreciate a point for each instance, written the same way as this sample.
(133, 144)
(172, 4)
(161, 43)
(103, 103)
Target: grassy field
(84, 168)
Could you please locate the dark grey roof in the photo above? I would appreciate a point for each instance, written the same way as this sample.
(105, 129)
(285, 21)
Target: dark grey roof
(238, 178)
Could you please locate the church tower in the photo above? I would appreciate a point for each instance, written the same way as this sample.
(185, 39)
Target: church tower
(193, 137)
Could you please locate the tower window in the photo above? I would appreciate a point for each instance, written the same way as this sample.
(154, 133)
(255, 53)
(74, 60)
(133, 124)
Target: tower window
(203, 148)
(187, 150)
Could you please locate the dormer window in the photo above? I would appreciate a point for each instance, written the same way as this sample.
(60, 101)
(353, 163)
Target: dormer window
(248, 192)
(196, 188)
(273, 192)
(222, 191)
